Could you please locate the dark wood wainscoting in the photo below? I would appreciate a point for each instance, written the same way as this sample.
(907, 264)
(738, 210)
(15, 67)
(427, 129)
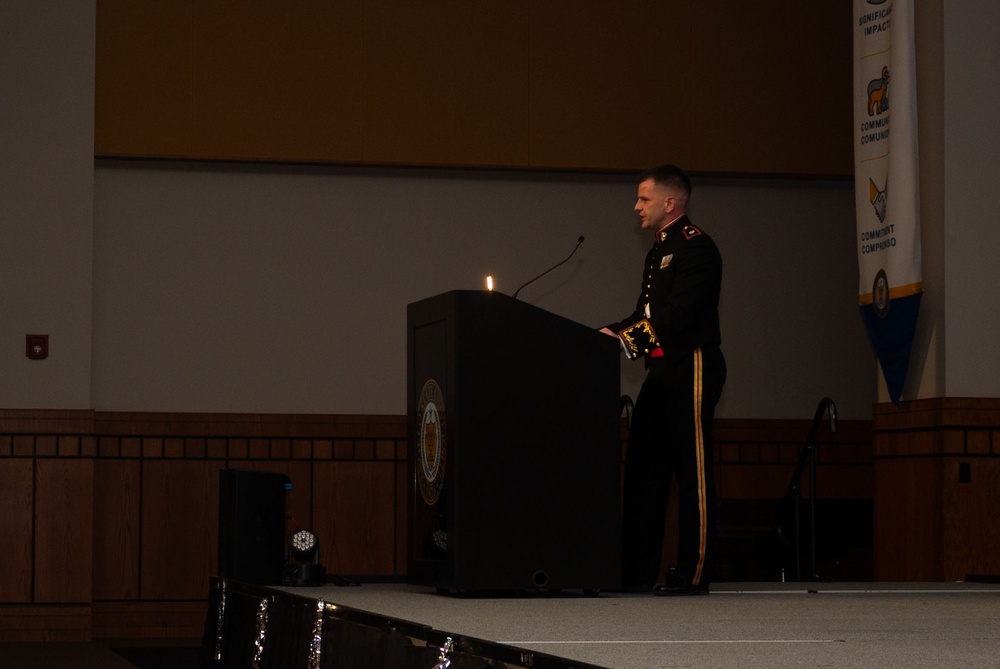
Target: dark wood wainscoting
(111, 528)
(936, 476)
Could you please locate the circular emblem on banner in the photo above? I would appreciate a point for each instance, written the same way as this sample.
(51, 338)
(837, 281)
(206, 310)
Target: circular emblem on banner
(880, 294)
(431, 442)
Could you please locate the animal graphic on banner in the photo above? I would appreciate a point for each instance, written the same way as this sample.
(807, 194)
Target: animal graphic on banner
(878, 94)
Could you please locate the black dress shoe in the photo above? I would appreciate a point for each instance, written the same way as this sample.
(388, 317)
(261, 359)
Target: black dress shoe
(679, 584)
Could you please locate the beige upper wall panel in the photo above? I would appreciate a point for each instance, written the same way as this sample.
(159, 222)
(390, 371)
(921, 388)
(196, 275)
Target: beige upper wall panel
(734, 88)
(446, 82)
(774, 88)
(716, 87)
(251, 80)
(282, 80)
(144, 65)
(604, 82)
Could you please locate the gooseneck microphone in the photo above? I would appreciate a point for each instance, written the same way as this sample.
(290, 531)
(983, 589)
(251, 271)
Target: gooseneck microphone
(578, 242)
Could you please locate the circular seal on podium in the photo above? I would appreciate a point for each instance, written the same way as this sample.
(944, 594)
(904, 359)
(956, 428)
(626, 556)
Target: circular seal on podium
(431, 447)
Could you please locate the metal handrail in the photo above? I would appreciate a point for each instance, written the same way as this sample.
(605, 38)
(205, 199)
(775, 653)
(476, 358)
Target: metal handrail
(807, 456)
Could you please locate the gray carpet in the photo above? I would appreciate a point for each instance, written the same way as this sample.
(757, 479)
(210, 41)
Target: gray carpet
(738, 625)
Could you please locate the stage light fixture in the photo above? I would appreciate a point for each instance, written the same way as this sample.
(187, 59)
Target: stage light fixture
(304, 546)
(303, 566)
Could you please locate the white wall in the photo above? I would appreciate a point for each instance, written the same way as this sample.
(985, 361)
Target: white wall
(46, 200)
(263, 289)
(972, 225)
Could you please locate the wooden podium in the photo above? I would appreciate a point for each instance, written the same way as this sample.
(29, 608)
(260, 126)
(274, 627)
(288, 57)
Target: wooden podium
(514, 460)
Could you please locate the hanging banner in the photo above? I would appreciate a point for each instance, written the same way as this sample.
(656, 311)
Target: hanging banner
(886, 182)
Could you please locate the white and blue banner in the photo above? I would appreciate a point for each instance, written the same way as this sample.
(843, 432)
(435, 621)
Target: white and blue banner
(886, 174)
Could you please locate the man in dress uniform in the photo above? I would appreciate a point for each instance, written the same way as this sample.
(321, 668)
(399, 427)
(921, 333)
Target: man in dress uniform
(675, 330)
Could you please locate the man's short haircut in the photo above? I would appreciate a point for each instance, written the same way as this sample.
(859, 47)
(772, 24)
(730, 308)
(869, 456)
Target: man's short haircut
(668, 175)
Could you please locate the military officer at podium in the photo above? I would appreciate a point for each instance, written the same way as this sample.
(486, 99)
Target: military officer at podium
(675, 330)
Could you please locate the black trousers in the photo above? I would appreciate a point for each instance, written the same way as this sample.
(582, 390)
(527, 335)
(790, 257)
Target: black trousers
(671, 436)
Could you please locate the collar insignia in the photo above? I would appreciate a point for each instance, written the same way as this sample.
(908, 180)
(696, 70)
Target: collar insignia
(662, 236)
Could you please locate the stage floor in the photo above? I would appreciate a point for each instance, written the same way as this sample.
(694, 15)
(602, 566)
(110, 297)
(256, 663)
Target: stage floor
(738, 625)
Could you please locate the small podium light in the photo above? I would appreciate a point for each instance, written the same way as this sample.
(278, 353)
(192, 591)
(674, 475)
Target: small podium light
(489, 282)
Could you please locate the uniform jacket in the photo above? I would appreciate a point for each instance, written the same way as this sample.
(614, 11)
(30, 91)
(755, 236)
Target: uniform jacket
(681, 283)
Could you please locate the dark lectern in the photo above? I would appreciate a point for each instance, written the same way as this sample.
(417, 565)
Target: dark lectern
(514, 447)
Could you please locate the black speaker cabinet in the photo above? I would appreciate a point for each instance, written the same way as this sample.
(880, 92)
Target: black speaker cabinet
(514, 422)
(252, 526)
